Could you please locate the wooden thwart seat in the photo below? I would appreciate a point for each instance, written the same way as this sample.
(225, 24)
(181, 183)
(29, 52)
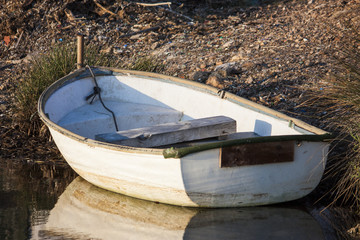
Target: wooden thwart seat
(171, 133)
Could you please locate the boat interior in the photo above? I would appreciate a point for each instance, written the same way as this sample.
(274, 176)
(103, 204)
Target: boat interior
(129, 102)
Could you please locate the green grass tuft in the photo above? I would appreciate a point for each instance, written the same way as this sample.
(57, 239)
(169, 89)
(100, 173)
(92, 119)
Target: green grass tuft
(43, 71)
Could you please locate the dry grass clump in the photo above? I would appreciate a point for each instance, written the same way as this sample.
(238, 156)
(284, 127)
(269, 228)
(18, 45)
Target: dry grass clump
(51, 66)
(147, 64)
(340, 99)
(43, 71)
(344, 95)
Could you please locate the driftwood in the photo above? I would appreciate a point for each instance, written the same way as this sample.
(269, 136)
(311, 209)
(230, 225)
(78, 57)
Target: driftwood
(154, 4)
(144, 30)
(69, 14)
(179, 14)
(166, 9)
(105, 9)
(22, 33)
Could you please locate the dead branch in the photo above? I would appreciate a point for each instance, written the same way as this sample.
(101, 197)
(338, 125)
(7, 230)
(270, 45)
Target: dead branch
(22, 33)
(104, 9)
(166, 9)
(144, 30)
(69, 14)
(154, 4)
(179, 14)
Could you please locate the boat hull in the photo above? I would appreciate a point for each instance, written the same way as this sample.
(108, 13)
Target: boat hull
(193, 176)
(196, 179)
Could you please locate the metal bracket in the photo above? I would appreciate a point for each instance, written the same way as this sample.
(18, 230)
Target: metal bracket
(221, 93)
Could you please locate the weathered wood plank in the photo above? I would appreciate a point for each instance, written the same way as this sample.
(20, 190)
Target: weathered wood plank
(170, 133)
(232, 136)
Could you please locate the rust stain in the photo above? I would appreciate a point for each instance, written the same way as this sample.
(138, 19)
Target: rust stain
(260, 195)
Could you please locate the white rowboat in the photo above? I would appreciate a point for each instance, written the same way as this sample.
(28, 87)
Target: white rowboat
(179, 142)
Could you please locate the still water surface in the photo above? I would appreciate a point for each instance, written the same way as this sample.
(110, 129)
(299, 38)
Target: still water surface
(45, 202)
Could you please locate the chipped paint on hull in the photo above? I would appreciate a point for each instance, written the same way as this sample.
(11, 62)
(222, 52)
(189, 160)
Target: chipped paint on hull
(139, 190)
(195, 180)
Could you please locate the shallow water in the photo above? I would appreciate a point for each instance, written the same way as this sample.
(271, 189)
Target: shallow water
(47, 202)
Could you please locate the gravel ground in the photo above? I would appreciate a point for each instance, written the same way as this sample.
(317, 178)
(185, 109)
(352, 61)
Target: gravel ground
(273, 52)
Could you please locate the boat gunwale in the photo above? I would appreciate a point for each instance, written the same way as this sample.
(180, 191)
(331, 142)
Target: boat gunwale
(318, 134)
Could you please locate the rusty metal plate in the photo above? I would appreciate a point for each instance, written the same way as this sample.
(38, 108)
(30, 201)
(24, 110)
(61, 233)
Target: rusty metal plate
(257, 153)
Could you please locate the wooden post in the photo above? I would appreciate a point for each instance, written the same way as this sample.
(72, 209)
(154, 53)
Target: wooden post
(80, 51)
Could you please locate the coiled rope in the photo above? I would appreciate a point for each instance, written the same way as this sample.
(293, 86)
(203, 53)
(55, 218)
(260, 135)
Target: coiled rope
(97, 92)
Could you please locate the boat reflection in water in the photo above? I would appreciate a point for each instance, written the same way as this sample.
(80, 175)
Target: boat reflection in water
(85, 211)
